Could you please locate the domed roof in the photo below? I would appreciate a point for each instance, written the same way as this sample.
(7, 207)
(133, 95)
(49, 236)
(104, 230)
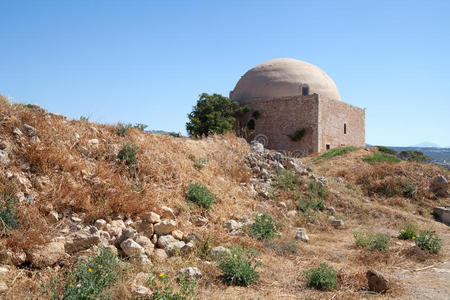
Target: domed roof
(283, 77)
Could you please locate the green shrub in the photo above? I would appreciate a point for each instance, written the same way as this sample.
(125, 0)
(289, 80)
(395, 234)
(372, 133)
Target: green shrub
(373, 241)
(256, 114)
(428, 241)
(336, 152)
(386, 150)
(89, 279)
(306, 206)
(8, 215)
(239, 268)
(162, 289)
(264, 227)
(408, 232)
(282, 247)
(380, 157)
(323, 277)
(174, 134)
(84, 118)
(128, 153)
(298, 135)
(199, 163)
(409, 189)
(140, 126)
(317, 190)
(285, 179)
(200, 194)
(122, 128)
(411, 155)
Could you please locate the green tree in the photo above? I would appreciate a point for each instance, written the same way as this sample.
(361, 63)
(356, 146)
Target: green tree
(213, 114)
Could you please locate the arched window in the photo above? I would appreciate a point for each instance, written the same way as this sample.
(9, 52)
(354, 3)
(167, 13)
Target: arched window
(345, 128)
(251, 124)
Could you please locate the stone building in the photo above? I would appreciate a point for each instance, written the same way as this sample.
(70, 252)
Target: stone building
(296, 108)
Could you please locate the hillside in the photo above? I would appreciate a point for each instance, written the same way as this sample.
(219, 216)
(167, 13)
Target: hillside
(77, 191)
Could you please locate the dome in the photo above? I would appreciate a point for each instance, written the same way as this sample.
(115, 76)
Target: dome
(283, 77)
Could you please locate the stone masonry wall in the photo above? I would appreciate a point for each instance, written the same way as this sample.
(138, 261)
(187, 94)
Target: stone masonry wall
(282, 117)
(332, 117)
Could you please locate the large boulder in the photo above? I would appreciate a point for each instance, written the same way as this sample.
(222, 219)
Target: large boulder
(439, 186)
(46, 255)
(165, 240)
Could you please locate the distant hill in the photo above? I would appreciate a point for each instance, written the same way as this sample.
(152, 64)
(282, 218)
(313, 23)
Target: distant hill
(426, 145)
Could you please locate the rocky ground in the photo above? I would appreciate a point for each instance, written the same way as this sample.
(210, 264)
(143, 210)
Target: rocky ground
(75, 197)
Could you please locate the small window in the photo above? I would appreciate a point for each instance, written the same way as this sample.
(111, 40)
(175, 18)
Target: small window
(328, 146)
(345, 128)
(251, 124)
(305, 91)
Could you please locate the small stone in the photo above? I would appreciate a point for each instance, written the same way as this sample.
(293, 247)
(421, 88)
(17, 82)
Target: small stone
(178, 234)
(218, 252)
(257, 147)
(331, 210)
(4, 270)
(174, 248)
(4, 159)
(151, 217)
(192, 237)
(100, 224)
(337, 223)
(93, 143)
(144, 261)
(188, 248)
(140, 291)
(145, 227)
(167, 212)
(76, 219)
(146, 243)
(165, 227)
(377, 283)
(3, 287)
(291, 213)
(30, 130)
(301, 235)
(232, 225)
(131, 248)
(159, 255)
(282, 205)
(199, 221)
(165, 240)
(191, 273)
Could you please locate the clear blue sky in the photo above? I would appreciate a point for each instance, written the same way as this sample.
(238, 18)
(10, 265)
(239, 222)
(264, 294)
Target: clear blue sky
(147, 61)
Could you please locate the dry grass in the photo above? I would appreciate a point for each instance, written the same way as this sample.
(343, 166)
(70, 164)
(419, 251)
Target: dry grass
(69, 174)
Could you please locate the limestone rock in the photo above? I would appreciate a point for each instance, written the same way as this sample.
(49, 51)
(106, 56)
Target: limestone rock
(145, 227)
(178, 234)
(30, 130)
(4, 159)
(167, 213)
(199, 221)
(144, 261)
(232, 225)
(165, 227)
(218, 252)
(81, 240)
(377, 283)
(291, 213)
(3, 287)
(188, 248)
(191, 237)
(159, 255)
(337, 223)
(140, 291)
(301, 235)
(152, 217)
(174, 248)
(46, 255)
(165, 240)
(131, 248)
(439, 186)
(257, 147)
(146, 244)
(10, 257)
(191, 273)
(100, 224)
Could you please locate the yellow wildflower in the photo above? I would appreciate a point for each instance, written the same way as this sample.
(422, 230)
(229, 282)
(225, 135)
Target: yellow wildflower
(106, 275)
(90, 270)
(100, 266)
(413, 237)
(71, 285)
(162, 275)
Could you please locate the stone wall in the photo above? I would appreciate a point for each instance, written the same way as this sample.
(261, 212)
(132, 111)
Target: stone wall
(282, 117)
(332, 117)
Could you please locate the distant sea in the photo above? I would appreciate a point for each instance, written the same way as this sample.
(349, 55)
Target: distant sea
(439, 156)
